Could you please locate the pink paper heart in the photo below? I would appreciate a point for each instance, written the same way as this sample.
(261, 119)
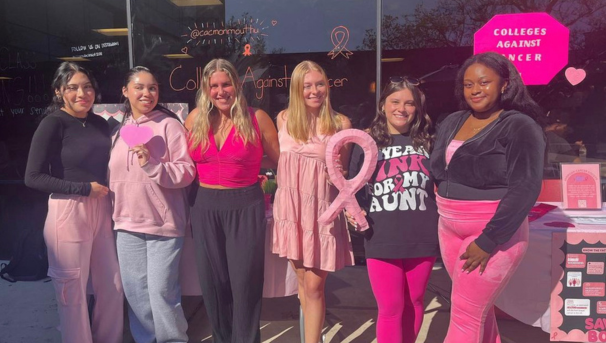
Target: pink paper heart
(135, 135)
(575, 76)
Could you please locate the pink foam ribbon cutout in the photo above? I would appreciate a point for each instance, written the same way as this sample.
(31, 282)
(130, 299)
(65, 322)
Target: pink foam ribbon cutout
(348, 188)
(135, 135)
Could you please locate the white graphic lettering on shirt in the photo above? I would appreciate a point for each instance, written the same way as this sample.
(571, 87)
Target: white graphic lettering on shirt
(400, 180)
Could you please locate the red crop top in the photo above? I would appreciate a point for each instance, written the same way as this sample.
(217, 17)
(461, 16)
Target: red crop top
(235, 165)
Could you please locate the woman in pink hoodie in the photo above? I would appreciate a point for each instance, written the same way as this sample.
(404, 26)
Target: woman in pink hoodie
(147, 183)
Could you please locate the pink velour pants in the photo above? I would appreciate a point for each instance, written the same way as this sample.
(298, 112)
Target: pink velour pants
(472, 318)
(399, 287)
(80, 241)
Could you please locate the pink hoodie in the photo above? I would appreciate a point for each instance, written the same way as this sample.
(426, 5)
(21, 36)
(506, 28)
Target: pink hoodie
(152, 199)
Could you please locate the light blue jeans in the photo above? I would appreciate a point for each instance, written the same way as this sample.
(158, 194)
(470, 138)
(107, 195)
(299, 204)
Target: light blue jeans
(149, 266)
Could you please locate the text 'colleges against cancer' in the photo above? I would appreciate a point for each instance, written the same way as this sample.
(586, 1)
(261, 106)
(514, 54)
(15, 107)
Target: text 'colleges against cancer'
(509, 43)
(193, 82)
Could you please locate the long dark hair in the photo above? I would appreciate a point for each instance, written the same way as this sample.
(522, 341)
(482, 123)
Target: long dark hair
(128, 111)
(516, 95)
(63, 74)
(421, 130)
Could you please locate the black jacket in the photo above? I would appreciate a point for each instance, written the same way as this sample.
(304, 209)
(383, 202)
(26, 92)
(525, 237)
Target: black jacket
(504, 159)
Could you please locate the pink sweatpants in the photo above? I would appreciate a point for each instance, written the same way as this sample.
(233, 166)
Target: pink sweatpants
(472, 318)
(399, 287)
(80, 241)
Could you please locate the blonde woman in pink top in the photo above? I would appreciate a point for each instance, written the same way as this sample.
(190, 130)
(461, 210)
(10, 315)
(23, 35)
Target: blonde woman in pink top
(305, 192)
(227, 142)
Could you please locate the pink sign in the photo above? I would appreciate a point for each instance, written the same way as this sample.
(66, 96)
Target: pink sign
(536, 43)
(581, 186)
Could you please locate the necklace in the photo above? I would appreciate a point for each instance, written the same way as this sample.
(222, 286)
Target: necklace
(476, 129)
(489, 120)
(83, 122)
(79, 120)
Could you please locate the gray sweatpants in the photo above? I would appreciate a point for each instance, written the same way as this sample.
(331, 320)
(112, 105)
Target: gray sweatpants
(149, 266)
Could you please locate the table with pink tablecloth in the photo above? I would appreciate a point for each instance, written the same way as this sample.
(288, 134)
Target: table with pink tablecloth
(526, 297)
(280, 279)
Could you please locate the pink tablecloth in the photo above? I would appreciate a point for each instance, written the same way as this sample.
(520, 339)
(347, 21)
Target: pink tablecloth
(527, 295)
(280, 279)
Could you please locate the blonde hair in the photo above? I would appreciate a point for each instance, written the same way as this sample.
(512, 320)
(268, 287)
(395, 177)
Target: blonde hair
(242, 121)
(298, 124)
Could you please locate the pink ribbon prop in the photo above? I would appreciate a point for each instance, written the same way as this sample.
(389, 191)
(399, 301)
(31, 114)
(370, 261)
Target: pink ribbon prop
(348, 188)
(135, 135)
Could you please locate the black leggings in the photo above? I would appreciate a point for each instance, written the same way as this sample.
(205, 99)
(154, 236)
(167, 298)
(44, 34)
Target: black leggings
(229, 232)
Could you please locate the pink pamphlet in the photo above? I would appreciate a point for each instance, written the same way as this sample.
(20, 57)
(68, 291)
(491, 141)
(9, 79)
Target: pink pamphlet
(581, 186)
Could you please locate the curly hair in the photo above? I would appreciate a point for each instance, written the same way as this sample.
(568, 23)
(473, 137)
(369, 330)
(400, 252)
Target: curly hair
(421, 130)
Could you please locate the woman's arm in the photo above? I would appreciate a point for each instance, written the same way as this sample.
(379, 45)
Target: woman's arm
(179, 171)
(37, 176)
(525, 155)
(269, 139)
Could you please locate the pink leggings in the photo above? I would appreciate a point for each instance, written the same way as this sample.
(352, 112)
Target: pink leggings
(472, 318)
(399, 286)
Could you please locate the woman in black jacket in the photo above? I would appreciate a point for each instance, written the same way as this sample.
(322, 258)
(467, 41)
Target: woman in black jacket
(488, 165)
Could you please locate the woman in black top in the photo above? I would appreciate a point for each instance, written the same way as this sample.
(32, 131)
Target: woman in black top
(402, 241)
(68, 158)
(488, 164)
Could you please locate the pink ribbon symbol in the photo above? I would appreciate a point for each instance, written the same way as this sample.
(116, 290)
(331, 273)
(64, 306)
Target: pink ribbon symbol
(247, 50)
(339, 38)
(348, 188)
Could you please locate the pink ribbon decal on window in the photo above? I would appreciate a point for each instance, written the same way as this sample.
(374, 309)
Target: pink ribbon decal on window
(348, 188)
(339, 38)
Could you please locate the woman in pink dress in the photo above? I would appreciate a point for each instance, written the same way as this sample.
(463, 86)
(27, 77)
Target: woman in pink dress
(305, 192)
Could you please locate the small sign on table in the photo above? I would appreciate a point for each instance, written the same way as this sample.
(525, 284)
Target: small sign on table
(581, 189)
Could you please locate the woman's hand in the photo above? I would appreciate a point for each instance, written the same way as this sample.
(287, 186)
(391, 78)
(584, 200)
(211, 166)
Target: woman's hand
(97, 190)
(475, 257)
(142, 153)
(351, 220)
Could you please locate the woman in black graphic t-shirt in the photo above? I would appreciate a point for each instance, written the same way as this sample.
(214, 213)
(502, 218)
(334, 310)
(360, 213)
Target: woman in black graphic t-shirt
(401, 243)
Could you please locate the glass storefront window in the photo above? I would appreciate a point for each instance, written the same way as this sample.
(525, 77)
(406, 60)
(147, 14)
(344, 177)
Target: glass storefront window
(265, 40)
(429, 39)
(37, 35)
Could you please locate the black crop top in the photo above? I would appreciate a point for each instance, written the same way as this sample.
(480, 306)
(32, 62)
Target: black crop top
(68, 153)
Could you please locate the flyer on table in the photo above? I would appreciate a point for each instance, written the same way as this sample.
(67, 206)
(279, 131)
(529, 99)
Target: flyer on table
(581, 186)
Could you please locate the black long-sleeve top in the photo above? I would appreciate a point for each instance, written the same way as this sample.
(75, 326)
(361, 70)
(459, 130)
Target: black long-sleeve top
(68, 153)
(502, 162)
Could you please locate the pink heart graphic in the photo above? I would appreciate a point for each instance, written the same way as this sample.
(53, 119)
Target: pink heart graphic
(575, 76)
(135, 135)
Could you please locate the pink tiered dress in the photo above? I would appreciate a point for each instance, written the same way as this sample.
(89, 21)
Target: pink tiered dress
(303, 195)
